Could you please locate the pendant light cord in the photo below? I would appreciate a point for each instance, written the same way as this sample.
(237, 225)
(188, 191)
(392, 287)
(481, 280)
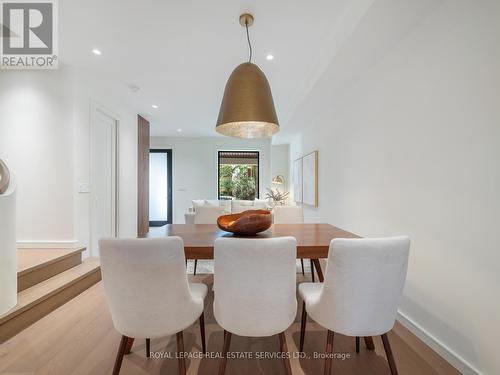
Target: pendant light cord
(249, 44)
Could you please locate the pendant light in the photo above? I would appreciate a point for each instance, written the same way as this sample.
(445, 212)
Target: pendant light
(247, 108)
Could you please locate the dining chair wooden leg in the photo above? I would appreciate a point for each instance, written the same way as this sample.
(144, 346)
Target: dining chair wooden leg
(284, 353)
(319, 271)
(303, 323)
(369, 343)
(225, 349)
(302, 264)
(119, 356)
(202, 332)
(148, 348)
(128, 347)
(311, 264)
(389, 355)
(329, 352)
(357, 344)
(180, 352)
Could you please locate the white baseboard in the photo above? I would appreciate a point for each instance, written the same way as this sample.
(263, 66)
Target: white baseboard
(47, 244)
(449, 355)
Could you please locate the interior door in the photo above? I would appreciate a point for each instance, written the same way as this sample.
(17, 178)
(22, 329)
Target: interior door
(103, 177)
(160, 187)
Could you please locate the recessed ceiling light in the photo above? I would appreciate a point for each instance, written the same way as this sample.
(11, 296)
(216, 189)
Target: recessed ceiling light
(270, 57)
(96, 52)
(179, 130)
(154, 106)
(134, 89)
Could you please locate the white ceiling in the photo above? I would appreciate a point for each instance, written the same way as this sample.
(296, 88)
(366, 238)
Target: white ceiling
(180, 53)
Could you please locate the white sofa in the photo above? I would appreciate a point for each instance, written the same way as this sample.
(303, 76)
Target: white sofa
(230, 206)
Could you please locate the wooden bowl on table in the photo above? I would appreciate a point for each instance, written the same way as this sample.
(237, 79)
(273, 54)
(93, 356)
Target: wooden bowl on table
(246, 223)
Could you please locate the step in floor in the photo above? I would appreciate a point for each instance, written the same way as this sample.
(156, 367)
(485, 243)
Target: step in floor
(37, 265)
(38, 300)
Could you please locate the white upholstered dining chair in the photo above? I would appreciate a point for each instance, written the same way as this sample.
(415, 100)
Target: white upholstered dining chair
(147, 290)
(288, 214)
(360, 295)
(291, 215)
(257, 298)
(206, 215)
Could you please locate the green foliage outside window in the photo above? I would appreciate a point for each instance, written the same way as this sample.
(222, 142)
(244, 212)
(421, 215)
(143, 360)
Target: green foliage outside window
(238, 181)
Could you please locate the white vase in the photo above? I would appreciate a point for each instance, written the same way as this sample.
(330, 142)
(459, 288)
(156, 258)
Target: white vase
(8, 249)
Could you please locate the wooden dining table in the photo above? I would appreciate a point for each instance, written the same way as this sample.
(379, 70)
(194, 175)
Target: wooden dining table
(313, 241)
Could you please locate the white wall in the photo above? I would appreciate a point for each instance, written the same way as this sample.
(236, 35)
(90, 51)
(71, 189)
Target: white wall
(279, 165)
(194, 163)
(410, 144)
(36, 138)
(44, 138)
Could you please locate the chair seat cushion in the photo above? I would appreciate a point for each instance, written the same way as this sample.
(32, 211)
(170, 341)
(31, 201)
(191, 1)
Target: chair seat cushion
(198, 290)
(310, 292)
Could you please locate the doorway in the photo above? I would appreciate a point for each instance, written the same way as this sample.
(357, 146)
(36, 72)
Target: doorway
(160, 187)
(103, 180)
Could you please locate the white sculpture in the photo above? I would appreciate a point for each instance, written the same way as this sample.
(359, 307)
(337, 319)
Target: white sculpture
(8, 248)
(4, 177)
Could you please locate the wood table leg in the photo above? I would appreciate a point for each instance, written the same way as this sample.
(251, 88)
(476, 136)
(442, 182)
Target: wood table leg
(319, 271)
(202, 332)
(303, 323)
(148, 348)
(311, 264)
(369, 343)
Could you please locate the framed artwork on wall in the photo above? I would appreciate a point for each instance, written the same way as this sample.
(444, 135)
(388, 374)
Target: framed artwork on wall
(297, 180)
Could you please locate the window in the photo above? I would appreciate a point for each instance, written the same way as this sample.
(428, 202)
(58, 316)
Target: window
(238, 175)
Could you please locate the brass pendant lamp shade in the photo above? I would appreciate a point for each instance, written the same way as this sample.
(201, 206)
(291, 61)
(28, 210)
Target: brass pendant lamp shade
(247, 108)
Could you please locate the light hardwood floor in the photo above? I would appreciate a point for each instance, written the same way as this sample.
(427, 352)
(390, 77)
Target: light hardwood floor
(79, 338)
(27, 259)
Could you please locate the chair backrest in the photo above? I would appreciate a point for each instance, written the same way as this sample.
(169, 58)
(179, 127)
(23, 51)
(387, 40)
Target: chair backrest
(207, 214)
(239, 205)
(288, 215)
(189, 218)
(254, 284)
(363, 285)
(260, 204)
(146, 286)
